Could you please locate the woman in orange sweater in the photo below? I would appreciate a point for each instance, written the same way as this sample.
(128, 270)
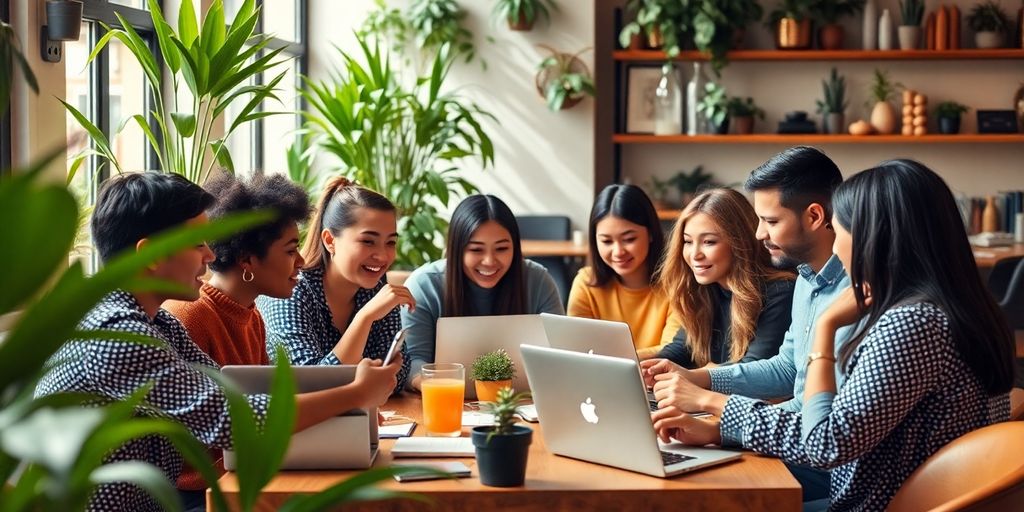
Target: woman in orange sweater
(626, 245)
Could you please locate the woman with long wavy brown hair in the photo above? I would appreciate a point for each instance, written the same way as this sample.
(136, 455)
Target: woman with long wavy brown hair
(734, 306)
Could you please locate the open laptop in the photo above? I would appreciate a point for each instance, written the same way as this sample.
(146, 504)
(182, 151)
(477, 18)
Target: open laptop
(463, 339)
(603, 337)
(344, 442)
(592, 408)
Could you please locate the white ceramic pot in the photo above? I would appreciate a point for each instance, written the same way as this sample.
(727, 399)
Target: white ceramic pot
(988, 39)
(909, 35)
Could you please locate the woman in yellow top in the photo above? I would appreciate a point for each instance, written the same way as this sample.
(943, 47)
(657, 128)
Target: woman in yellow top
(626, 244)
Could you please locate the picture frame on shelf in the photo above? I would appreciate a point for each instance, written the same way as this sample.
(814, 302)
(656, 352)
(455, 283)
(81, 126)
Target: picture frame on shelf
(641, 81)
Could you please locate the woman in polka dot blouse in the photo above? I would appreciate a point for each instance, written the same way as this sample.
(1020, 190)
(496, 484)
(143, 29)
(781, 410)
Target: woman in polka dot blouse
(342, 308)
(931, 360)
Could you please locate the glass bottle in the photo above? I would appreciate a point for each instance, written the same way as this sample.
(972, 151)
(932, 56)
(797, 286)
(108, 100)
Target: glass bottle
(668, 103)
(694, 91)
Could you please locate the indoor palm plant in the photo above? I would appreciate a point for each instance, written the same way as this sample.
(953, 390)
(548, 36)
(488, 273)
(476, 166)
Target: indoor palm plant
(522, 14)
(492, 372)
(948, 113)
(403, 141)
(989, 23)
(828, 13)
(502, 449)
(563, 79)
(213, 62)
(833, 105)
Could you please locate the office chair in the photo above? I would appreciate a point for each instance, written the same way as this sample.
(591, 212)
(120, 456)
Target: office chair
(550, 227)
(982, 470)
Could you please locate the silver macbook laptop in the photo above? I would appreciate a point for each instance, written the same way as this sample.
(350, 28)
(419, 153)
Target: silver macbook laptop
(344, 442)
(593, 408)
(463, 339)
(603, 337)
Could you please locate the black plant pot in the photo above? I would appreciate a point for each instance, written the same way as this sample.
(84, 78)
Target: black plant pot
(502, 460)
(63, 20)
(949, 125)
(719, 129)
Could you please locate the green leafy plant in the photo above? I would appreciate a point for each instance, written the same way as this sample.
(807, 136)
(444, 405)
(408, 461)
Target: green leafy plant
(504, 410)
(795, 9)
(386, 24)
(213, 63)
(716, 23)
(563, 77)
(11, 59)
(691, 182)
(988, 16)
(744, 107)
(715, 104)
(437, 23)
(494, 366)
(950, 109)
(525, 11)
(882, 88)
(659, 189)
(834, 90)
(912, 12)
(400, 141)
(670, 18)
(831, 11)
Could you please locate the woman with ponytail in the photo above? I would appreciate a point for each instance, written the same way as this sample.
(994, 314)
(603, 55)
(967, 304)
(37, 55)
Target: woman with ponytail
(342, 309)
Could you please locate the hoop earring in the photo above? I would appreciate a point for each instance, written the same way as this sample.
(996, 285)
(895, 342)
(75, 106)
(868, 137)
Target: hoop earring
(251, 275)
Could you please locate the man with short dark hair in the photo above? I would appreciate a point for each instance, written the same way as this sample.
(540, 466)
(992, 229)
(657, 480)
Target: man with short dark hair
(792, 198)
(130, 210)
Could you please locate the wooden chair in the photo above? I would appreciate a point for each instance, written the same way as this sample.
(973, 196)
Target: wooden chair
(982, 470)
(1017, 404)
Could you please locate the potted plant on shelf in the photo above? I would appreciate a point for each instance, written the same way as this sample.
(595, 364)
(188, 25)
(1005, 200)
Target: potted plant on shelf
(742, 111)
(689, 183)
(563, 79)
(833, 105)
(720, 25)
(665, 23)
(659, 190)
(989, 23)
(909, 31)
(828, 13)
(492, 372)
(522, 14)
(948, 113)
(715, 107)
(502, 449)
(883, 114)
(791, 24)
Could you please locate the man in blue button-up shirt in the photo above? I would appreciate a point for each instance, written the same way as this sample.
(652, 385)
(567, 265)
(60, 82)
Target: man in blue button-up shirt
(792, 197)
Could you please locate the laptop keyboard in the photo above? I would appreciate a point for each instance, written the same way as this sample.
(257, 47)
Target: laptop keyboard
(669, 458)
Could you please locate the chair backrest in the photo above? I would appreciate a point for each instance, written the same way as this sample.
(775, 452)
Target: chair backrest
(544, 227)
(999, 278)
(1012, 302)
(1016, 404)
(980, 470)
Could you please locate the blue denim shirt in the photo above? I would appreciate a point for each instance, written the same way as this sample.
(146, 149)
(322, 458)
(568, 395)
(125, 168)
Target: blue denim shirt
(786, 373)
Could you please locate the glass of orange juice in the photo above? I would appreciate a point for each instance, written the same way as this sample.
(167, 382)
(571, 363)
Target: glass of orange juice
(443, 386)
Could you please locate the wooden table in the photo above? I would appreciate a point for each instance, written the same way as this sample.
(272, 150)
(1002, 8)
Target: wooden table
(564, 248)
(986, 257)
(559, 483)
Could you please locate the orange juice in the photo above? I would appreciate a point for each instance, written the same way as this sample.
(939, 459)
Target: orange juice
(442, 406)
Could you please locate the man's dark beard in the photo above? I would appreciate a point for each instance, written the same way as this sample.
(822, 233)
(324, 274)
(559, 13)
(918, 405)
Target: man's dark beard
(792, 257)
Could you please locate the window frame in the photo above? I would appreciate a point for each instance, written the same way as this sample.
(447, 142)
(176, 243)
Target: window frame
(6, 132)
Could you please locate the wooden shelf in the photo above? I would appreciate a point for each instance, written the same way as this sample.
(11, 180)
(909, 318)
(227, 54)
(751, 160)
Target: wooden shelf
(827, 55)
(665, 215)
(771, 138)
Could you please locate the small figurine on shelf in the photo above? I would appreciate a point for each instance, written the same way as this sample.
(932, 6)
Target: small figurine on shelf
(915, 113)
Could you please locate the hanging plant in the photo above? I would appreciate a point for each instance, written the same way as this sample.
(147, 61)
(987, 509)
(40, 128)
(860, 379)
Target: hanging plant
(563, 79)
(522, 14)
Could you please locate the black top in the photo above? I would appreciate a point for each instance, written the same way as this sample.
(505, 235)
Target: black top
(772, 324)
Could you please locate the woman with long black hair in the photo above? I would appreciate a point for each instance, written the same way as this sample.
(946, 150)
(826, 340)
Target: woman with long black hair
(932, 358)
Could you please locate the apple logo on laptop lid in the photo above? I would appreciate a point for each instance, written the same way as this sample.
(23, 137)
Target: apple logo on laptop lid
(589, 411)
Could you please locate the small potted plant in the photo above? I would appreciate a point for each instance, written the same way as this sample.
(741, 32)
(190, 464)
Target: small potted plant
(689, 183)
(742, 112)
(909, 31)
(989, 23)
(492, 372)
(948, 113)
(664, 23)
(833, 106)
(522, 14)
(828, 13)
(883, 114)
(720, 26)
(502, 449)
(563, 79)
(791, 24)
(715, 107)
(659, 190)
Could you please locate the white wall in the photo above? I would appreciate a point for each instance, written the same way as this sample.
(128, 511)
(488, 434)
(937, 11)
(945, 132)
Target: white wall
(543, 160)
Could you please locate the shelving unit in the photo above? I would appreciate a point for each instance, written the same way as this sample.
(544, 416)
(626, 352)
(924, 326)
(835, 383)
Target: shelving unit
(612, 61)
